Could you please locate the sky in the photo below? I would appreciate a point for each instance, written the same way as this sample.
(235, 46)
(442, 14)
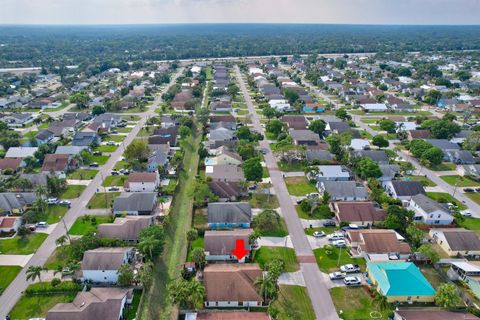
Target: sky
(239, 11)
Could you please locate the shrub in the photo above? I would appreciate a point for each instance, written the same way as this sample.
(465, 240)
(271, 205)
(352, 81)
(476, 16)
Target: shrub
(55, 282)
(47, 288)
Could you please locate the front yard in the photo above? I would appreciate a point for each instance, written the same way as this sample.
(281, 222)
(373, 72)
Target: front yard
(460, 181)
(356, 303)
(444, 197)
(8, 274)
(266, 254)
(329, 262)
(105, 148)
(82, 174)
(102, 200)
(299, 186)
(322, 212)
(470, 224)
(88, 224)
(424, 180)
(264, 201)
(72, 191)
(445, 166)
(474, 196)
(293, 302)
(18, 246)
(115, 181)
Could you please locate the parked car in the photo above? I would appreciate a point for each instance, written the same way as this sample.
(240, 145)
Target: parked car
(466, 213)
(336, 275)
(319, 234)
(111, 143)
(52, 201)
(468, 190)
(339, 243)
(336, 236)
(350, 227)
(113, 189)
(350, 268)
(31, 227)
(329, 223)
(352, 281)
(66, 203)
(124, 171)
(94, 165)
(477, 189)
(97, 153)
(115, 173)
(42, 224)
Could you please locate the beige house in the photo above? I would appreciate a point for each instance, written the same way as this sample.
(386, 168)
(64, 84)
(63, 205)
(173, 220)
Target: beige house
(457, 242)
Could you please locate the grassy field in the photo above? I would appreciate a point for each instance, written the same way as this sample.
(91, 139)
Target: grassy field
(445, 197)
(299, 186)
(105, 148)
(424, 180)
(460, 181)
(323, 212)
(474, 196)
(82, 226)
(120, 165)
(156, 304)
(72, 191)
(327, 230)
(115, 181)
(19, 246)
(293, 302)
(445, 166)
(264, 201)
(101, 160)
(8, 274)
(471, 224)
(355, 303)
(115, 138)
(53, 213)
(82, 174)
(329, 262)
(291, 167)
(102, 200)
(132, 309)
(37, 306)
(267, 254)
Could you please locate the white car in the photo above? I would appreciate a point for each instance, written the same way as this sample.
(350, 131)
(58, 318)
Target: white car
(319, 234)
(42, 224)
(350, 268)
(466, 213)
(352, 281)
(66, 203)
(336, 275)
(339, 243)
(52, 200)
(336, 236)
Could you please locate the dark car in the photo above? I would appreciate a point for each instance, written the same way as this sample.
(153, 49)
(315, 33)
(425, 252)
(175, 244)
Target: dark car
(329, 223)
(468, 190)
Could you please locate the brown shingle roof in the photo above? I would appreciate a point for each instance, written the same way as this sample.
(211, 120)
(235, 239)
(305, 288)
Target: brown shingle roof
(295, 122)
(55, 162)
(10, 163)
(127, 228)
(359, 211)
(231, 282)
(223, 242)
(225, 189)
(419, 134)
(7, 222)
(142, 177)
(103, 258)
(461, 239)
(378, 241)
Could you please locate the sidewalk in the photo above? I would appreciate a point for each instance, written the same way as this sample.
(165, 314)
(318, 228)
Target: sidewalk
(14, 259)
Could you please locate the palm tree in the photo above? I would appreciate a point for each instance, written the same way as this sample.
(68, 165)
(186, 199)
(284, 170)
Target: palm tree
(268, 286)
(34, 272)
(40, 191)
(61, 241)
(162, 201)
(311, 172)
(382, 301)
(197, 293)
(148, 245)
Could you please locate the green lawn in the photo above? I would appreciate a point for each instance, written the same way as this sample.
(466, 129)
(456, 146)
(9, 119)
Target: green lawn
(120, 165)
(293, 302)
(329, 262)
(282, 231)
(322, 212)
(19, 246)
(72, 191)
(445, 166)
(197, 243)
(299, 186)
(265, 173)
(264, 201)
(424, 180)
(132, 309)
(200, 219)
(115, 181)
(37, 306)
(291, 167)
(82, 174)
(266, 254)
(474, 196)
(444, 197)
(101, 160)
(102, 200)
(355, 303)
(8, 274)
(460, 181)
(327, 230)
(105, 148)
(471, 224)
(53, 214)
(125, 129)
(84, 225)
(115, 137)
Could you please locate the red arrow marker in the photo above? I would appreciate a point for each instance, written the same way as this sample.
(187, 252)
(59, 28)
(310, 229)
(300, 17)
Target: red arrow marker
(240, 251)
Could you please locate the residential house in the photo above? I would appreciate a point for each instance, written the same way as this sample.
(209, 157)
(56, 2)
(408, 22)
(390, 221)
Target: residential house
(374, 107)
(10, 224)
(232, 285)
(468, 272)
(142, 182)
(16, 203)
(98, 303)
(10, 164)
(135, 203)
(59, 164)
(101, 265)
(36, 179)
(168, 120)
(226, 121)
(17, 120)
(337, 127)
(229, 215)
(221, 137)
(428, 314)
(376, 155)
(304, 137)
(125, 228)
(86, 139)
(21, 152)
(359, 213)
(402, 189)
(224, 158)
(429, 211)
(389, 172)
(461, 136)
(359, 144)
(78, 116)
(457, 242)
(418, 134)
(343, 190)
(219, 244)
(225, 173)
(459, 157)
(472, 170)
(295, 122)
(226, 191)
(44, 136)
(331, 173)
(159, 156)
(318, 156)
(378, 245)
(445, 145)
(400, 282)
(69, 150)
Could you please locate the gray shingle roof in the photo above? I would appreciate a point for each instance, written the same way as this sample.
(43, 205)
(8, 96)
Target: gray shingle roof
(138, 201)
(342, 189)
(407, 188)
(443, 144)
(231, 212)
(10, 200)
(428, 205)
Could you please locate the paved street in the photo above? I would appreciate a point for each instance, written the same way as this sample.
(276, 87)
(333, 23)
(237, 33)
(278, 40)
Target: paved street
(316, 286)
(14, 291)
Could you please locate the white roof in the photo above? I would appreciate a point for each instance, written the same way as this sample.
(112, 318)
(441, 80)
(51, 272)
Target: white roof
(20, 152)
(334, 171)
(407, 125)
(466, 266)
(359, 144)
(374, 106)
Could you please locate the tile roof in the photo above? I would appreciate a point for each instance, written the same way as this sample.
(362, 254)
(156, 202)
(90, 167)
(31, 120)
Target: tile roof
(225, 189)
(142, 177)
(10, 163)
(127, 228)
(55, 162)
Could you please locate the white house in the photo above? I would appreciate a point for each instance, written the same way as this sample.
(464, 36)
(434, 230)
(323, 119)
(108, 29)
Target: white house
(101, 265)
(10, 224)
(142, 182)
(429, 211)
(359, 144)
(374, 107)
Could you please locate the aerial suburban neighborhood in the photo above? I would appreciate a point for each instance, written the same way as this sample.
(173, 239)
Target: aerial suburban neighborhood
(143, 176)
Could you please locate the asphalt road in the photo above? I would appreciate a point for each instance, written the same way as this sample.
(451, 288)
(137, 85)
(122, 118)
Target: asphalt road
(317, 289)
(14, 291)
